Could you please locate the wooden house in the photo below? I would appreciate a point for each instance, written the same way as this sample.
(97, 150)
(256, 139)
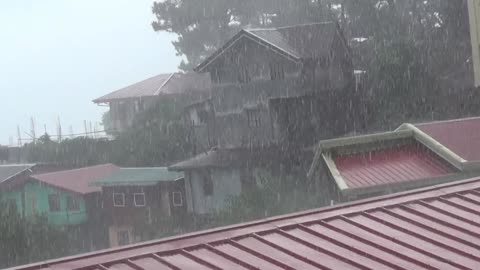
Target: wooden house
(136, 197)
(257, 66)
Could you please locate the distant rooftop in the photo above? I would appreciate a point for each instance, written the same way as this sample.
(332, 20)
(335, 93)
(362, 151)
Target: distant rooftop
(163, 84)
(9, 171)
(138, 177)
(431, 228)
(295, 42)
(77, 180)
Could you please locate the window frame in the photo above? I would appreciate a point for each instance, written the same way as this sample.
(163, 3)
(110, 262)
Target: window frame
(57, 201)
(208, 188)
(178, 193)
(123, 199)
(73, 201)
(135, 199)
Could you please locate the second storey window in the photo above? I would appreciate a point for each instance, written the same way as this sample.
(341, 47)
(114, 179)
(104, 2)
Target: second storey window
(73, 204)
(118, 199)
(139, 199)
(277, 72)
(54, 202)
(253, 117)
(177, 199)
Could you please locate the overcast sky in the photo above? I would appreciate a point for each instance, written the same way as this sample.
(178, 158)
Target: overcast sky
(58, 55)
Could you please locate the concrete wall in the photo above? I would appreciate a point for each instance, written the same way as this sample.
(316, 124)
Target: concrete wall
(226, 183)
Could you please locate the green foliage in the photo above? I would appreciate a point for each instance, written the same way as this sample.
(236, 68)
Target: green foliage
(24, 241)
(203, 26)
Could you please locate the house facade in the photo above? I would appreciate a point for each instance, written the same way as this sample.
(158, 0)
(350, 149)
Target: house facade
(137, 198)
(260, 65)
(128, 103)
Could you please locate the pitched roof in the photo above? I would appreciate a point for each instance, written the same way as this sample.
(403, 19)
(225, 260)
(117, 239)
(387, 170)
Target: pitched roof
(78, 180)
(163, 84)
(138, 176)
(462, 136)
(295, 42)
(9, 171)
(430, 228)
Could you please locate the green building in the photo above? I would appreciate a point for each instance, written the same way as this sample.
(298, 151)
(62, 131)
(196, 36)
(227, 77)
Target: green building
(65, 197)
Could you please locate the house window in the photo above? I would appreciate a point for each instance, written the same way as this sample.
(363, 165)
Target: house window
(73, 204)
(244, 76)
(54, 202)
(177, 199)
(33, 204)
(277, 72)
(118, 200)
(207, 184)
(253, 117)
(12, 205)
(139, 199)
(123, 238)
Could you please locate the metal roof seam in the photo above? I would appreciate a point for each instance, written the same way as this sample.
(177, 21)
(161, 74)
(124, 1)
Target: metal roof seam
(198, 260)
(352, 249)
(164, 262)
(376, 245)
(429, 228)
(462, 207)
(259, 255)
(413, 247)
(396, 241)
(289, 252)
(228, 257)
(450, 214)
(424, 238)
(437, 220)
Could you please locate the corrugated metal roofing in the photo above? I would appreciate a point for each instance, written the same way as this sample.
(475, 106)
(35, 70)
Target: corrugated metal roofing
(163, 84)
(462, 136)
(432, 228)
(9, 171)
(78, 180)
(392, 165)
(138, 176)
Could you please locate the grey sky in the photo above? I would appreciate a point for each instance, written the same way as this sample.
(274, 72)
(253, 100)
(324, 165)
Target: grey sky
(58, 55)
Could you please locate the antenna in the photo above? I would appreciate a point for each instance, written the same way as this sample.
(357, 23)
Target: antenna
(85, 125)
(19, 136)
(32, 130)
(59, 130)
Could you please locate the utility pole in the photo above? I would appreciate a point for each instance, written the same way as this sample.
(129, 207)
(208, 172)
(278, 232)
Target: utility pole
(32, 130)
(19, 136)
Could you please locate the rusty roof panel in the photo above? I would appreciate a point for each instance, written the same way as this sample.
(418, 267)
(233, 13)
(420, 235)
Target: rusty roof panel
(432, 228)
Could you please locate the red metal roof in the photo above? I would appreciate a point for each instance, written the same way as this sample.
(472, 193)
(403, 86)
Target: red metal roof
(393, 165)
(462, 136)
(77, 180)
(431, 228)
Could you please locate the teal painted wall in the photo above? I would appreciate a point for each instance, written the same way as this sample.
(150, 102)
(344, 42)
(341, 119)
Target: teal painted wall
(36, 202)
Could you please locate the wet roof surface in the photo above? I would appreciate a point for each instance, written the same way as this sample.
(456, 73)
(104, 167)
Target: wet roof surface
(78, 180)
(171, 83)
(392, 165)
(461, 136)
(432, 228)
(138, 176)
(9, 171)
